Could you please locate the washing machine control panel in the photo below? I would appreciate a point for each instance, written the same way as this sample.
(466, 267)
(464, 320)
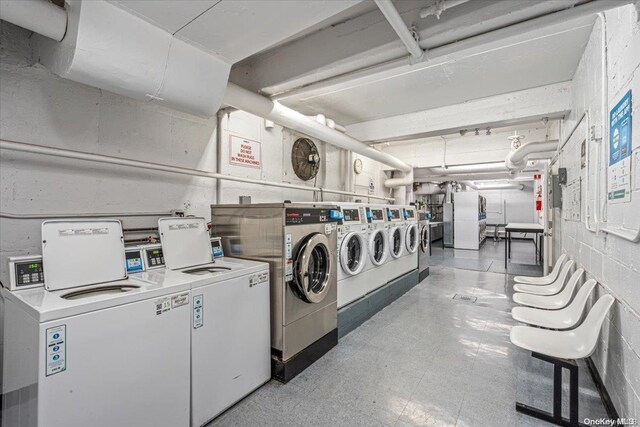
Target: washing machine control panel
(25, 272)
(300, 216)
(216, 247)
(133, 260)
(393, 214)
(154, 256)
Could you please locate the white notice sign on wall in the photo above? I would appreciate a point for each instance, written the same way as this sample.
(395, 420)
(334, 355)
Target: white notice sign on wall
(245, 152)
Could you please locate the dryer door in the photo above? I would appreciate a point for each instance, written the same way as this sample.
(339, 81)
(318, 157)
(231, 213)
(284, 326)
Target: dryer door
(312, 268)
(424, 238)
(412, 238)
(352, 253)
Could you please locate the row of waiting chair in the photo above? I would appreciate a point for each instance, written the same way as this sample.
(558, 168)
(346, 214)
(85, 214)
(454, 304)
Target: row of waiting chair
(554, 332)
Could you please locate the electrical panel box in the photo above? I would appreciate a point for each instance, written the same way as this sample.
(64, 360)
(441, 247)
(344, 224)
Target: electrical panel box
(562, 175)
(556, 192)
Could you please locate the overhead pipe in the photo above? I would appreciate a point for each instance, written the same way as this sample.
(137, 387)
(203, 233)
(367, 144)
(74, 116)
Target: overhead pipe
(258, 105)
(138, 164)
(439, 7)
(456, 50)
(516, 160)
(39, 16)
(397, 23)
(473, 177)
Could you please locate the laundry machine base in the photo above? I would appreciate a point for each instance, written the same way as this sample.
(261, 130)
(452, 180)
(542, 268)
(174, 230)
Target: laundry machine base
(424, 273)
(359, 311)
(285, 371)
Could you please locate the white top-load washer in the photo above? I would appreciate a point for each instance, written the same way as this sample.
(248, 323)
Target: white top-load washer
(94, 348)
(230, 330)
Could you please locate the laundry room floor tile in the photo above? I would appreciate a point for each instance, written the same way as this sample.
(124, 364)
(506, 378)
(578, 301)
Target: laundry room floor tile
(425, 360)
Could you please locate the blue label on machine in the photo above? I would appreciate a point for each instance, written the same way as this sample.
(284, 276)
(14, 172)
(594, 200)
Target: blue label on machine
(56, 350)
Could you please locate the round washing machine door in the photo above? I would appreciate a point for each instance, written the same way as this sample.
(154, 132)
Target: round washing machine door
(378, 247)
(412, 239)
(352, 253)
(396, 242)
(424, 238)
(312, 268)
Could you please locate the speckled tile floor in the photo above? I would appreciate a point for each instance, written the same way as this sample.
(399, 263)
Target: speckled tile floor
(424, 360)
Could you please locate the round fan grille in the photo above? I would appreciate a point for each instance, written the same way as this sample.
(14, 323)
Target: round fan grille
(305, 159)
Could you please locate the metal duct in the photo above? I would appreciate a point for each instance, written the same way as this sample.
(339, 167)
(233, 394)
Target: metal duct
(109, 48)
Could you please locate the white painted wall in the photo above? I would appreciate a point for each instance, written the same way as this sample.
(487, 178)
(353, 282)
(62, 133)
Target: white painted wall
(468, 149)
(520, 206)
(614, 262)
(41, 108)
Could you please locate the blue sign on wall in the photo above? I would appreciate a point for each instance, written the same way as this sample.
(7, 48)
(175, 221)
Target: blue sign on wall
(619, 187)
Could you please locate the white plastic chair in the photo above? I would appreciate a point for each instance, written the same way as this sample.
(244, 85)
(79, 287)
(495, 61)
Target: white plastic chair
(544, 280)
(551, 289)
(562, 348)
(551, 302)
(566, 318)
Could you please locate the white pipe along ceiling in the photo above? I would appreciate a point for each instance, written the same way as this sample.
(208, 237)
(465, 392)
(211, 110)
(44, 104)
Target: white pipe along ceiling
(516, 160)
(38, 16)
(261, 106)
(82, 56)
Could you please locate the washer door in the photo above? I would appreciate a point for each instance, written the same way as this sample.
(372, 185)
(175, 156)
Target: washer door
(396, 242)
(312, 268)
(352, 253)
(412, 238)
(424, 238)
(378, 247)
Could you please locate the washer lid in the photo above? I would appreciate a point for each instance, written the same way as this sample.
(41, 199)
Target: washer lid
(81, 253)
(185, 242)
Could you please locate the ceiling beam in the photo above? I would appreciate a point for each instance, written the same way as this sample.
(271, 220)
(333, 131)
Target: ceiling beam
(525, 106)
(367, 40)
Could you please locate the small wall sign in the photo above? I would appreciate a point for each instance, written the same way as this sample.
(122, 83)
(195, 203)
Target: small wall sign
(245, 152)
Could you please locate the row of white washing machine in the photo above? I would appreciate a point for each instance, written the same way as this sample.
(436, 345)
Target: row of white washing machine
(159, 335)
(376, 244)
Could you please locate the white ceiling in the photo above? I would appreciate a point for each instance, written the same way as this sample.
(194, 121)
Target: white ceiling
(235, 29)
(545, 58)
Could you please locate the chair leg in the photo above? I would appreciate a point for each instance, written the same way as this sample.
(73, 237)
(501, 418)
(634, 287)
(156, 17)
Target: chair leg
(556, 417)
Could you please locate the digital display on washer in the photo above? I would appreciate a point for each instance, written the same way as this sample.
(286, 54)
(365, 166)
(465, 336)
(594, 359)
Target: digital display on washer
(377, 214)
(351, 214)
(133, 260)
(394, 213)
(29, 273)
(409, 213)
(216, 248)
(155, 257)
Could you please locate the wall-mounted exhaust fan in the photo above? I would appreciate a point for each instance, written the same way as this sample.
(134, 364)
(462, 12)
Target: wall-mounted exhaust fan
(305, 159)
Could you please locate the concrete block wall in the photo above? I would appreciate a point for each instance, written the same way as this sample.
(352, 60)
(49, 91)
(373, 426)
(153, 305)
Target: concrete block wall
(38, 107)
(613, 261)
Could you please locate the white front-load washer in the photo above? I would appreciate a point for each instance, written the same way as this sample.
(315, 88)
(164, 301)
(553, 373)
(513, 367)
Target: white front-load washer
(378, 245)
(396, 236)
(409, 259)
(353, 282)
(91, 347)
(230, 330)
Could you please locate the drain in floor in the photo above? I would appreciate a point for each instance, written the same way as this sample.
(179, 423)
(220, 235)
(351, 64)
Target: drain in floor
(467, 298)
